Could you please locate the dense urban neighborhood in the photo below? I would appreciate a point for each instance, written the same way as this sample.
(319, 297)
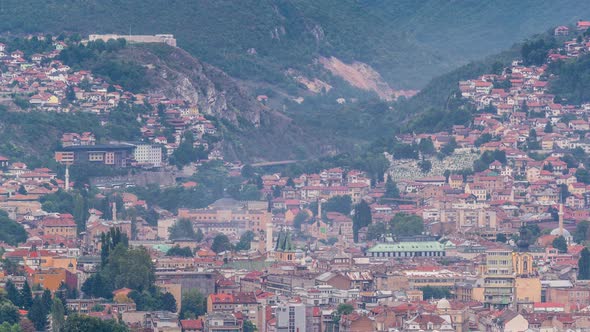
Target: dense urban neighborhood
(141, 224)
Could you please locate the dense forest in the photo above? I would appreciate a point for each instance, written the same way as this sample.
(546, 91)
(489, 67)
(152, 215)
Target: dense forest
(572, 84)
(98, 56)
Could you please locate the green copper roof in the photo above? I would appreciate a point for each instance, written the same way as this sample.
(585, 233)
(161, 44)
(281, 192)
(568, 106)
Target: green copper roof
(284, 242)
(408, 246)
(162, 247)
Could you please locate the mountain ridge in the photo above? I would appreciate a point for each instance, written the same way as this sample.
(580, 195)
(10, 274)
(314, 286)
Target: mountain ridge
(407, 42)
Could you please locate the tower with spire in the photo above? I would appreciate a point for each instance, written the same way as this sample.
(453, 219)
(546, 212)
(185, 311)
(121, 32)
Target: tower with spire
(269, 240)
(285, 249)
(560, 214)
(560, 230)
(67, 177)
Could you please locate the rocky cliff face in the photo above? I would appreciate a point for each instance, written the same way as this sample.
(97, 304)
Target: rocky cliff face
(252, 131)
(177, 75)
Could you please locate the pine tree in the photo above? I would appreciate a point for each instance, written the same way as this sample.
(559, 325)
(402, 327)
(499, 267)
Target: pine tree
(584, 265)
(548, 128)
(80, 212)
(57, 316)
(362, 217)
(560, 244)
(47, 300)
(199, 236)
(290, 183)
(22, 190)
(13, 294)
(70, 93)
(168, 302)
(26, 296)
(391, 190)
(38, 314)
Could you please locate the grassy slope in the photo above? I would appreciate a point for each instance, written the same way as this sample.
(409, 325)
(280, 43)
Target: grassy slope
(408, 41)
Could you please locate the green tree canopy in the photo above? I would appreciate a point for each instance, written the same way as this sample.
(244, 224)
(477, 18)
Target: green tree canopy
(11, 232)
(178, 251)
(57, 315)
(168, 302)
(9, 313)
(7, 327)
(425, 165)
(406, 224)
(131, 268)
(79, 323)
(431, 292)
(193, 304)
(344, 309)
(391, 190)
(581, 232)
(582, 175)
(299, 219)
(182, 229)
(12, 293)
(221, 243)
(341, 204)
(375, 230)
(26, 296)
(560, 244)
(584, 265)
(531, 232)
(38, 314)
(426, 146)
(362, 218)
(245, 240)
(124, 267)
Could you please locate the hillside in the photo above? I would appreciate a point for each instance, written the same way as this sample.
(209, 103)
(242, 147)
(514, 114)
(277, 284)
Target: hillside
(406, 41)
(174, 73)
(323, 65)
(251, 130)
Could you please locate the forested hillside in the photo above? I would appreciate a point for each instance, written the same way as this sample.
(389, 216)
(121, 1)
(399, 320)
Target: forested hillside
(407, 41)
(256, 42)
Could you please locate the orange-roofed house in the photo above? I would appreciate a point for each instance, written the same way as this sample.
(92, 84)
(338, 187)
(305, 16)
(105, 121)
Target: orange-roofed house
(220, 302)
(204, 252)
(191, 325)
(583, 25)
(356, 322)
(122, 291)
(243, 301)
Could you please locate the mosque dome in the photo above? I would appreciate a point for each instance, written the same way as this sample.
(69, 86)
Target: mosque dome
(566, 233)
(443, 304)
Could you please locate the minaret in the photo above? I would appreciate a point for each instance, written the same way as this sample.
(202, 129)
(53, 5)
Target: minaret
(114, 211)
(560, 214)
(269, 241)
(67, 185)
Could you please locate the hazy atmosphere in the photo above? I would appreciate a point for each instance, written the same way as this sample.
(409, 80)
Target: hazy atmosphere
(294, 165)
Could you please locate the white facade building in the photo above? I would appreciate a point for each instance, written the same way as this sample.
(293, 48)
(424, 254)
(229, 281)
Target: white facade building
(148, 154)
(291, 317)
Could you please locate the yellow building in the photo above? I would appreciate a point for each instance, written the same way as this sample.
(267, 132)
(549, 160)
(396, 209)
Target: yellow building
(509, 278)
(528, 290)
(176, 291)
(60, 262)
(52, 278)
